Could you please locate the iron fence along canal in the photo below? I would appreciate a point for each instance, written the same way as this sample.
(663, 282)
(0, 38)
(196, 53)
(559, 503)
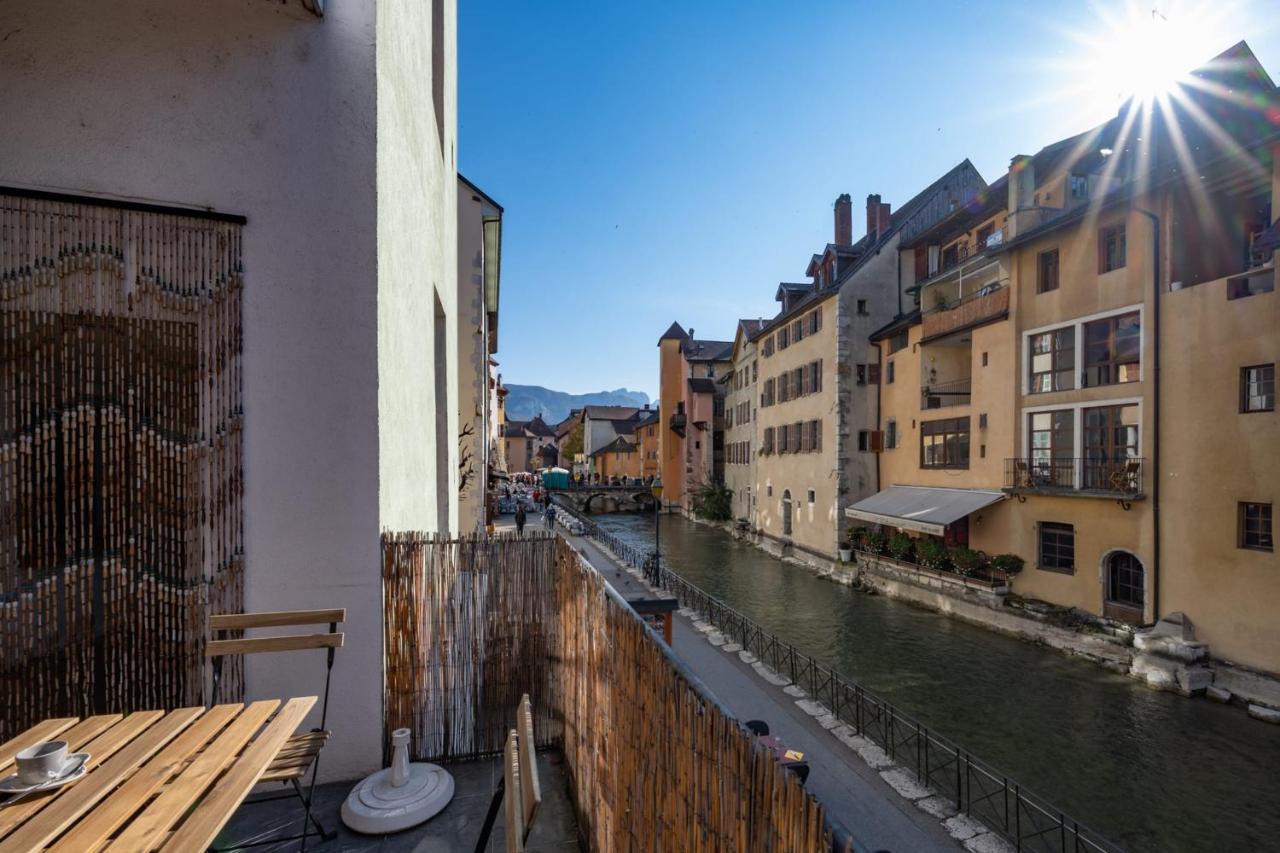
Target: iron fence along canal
(973, 786)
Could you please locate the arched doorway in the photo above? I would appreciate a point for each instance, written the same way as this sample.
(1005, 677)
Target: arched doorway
(786, 513)
(1125, 586)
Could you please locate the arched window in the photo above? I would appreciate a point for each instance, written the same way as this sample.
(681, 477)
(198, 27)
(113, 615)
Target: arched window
(786, 512)
(1126, 584)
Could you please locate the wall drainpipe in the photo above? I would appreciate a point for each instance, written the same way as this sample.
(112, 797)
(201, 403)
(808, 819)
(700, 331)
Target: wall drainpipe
(1155, 404)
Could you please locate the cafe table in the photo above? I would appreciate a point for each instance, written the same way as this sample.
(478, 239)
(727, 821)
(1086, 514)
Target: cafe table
(156, 780)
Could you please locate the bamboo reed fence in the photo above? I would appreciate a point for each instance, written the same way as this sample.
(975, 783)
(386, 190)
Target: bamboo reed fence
(655, 763)
(121, 522)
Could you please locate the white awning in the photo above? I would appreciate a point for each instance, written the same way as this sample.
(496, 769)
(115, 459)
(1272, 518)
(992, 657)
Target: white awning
(927, 510)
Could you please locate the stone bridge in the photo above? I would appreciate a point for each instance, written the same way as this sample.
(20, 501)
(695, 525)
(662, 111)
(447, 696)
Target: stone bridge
(589, 499)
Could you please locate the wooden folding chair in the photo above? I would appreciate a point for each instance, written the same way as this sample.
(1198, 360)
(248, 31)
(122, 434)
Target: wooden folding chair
(302, 751)
(520, 777)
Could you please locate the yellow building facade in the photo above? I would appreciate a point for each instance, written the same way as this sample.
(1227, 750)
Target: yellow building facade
(795, 464)
(1109, 370)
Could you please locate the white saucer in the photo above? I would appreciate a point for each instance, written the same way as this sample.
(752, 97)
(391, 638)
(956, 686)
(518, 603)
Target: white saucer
(72, 771)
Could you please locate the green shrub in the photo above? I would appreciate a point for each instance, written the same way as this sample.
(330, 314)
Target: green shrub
(966, 560)
(857, 537)
(713, 501)
(901, 546)
(931, 554)
(1010, 564)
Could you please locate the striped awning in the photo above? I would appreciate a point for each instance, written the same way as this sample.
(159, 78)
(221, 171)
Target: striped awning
(921, 508)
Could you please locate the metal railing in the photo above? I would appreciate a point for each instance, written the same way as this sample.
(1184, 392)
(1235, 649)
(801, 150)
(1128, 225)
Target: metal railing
(936, 395)
(1121, 477)
(973, 786)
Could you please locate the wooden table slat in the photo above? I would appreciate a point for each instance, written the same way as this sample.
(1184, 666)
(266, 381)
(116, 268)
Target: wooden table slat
(92, 832)
(204, 823)
(39, 733)
(123, 749)
(76, 737)
(100, 749)
(168, 808)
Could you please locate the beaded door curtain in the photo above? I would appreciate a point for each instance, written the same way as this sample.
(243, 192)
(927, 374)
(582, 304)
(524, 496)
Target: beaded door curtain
(121, 484)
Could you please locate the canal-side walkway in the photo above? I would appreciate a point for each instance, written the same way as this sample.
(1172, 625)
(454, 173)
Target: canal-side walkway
(879, 815)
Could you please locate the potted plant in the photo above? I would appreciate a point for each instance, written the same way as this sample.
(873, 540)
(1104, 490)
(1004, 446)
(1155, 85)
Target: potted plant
(901, 547)
(1008, 564)
(931, 554)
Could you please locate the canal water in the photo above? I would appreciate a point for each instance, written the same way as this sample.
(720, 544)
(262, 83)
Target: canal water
(1152, 771)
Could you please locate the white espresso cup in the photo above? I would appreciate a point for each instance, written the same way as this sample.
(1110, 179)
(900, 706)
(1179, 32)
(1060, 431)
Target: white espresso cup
(42, 762)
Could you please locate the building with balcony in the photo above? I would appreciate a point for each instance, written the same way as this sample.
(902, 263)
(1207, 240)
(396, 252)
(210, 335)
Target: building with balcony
(692, 402)
(1121, 391)
(941, 371)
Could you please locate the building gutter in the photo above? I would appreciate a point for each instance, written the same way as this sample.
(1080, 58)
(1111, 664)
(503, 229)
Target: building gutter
(1155, 404)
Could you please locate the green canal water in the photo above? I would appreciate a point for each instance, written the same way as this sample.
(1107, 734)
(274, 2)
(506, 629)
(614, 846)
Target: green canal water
(1152, 771)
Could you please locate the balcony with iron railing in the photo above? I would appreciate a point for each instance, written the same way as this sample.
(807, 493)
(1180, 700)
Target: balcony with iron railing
(938, 395)
(1087, 477)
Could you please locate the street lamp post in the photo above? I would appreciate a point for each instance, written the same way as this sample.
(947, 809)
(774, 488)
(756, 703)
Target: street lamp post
(656, 489)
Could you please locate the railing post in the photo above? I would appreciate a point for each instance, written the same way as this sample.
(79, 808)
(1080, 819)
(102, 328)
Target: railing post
(959, 783)
(918, 755)
(888, 730)
(1017, 814)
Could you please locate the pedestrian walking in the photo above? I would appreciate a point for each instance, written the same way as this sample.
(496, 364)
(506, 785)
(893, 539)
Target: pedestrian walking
(520, 520)
(550, 517)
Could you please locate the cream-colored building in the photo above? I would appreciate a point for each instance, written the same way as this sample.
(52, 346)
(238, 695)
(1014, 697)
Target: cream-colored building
(740, 409)
(814, 395)
(323, 150)
(795, 470)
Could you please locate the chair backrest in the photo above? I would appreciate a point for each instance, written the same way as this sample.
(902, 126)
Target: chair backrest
(516, 831)
(332, 639)
(530, 784)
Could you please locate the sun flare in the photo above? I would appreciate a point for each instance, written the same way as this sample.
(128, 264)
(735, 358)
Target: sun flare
(1145, 50)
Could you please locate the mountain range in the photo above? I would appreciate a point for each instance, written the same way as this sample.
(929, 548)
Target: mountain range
(527, 401)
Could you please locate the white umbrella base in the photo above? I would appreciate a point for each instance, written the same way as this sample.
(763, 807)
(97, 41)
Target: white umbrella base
(376, 807)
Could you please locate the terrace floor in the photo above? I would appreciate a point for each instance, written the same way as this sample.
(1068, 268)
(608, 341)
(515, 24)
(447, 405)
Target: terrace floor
(457, 828)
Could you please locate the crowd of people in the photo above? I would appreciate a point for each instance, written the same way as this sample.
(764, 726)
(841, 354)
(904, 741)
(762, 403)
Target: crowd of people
(520, 498)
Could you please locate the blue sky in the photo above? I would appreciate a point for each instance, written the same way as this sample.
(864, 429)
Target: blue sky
(676, 160)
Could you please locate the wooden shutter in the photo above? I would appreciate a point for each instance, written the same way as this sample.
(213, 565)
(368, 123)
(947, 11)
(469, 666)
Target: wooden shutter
(873, 374)
(877, 441)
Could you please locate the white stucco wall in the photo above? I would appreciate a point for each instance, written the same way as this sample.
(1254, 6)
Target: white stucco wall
(417, 263)
(261, 109)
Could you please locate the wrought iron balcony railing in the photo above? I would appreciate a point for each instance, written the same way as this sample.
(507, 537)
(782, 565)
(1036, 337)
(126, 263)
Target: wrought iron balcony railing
(1089, 476)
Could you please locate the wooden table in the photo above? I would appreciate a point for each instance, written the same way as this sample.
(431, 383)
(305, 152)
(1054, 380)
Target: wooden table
(156, 780)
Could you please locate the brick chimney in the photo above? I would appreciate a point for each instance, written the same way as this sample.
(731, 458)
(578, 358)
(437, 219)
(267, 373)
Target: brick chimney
(877, 216)
(844, 220)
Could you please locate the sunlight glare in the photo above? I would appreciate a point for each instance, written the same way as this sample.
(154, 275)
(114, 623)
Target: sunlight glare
(1145, 50)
